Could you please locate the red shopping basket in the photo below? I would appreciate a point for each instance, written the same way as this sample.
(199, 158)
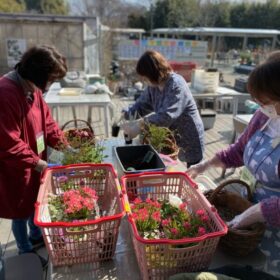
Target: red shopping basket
(161, 258)
(71, 243)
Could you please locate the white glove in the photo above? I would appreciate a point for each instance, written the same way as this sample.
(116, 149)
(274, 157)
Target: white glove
(41, 165)
(250, 216)
(199, 168)
(132, 128)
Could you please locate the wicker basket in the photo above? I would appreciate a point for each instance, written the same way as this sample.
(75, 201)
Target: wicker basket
(237, 242)
(74, 127)
(171, 142)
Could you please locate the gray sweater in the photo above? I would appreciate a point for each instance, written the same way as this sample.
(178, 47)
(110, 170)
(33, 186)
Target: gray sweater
(174, 107)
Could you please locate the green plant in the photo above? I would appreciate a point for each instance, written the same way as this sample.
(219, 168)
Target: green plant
(87, 153)
(170, 218)
(157, 136)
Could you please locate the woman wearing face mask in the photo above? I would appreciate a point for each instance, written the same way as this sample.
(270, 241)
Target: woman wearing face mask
(26, 129)
(167, 102)
(258, 148)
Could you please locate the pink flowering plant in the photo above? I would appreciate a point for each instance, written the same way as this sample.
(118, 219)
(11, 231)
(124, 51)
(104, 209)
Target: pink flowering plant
(74, 203)
(170, 219)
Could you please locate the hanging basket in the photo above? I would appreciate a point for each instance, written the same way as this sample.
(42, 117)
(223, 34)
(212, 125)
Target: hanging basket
(78, 132)
(237, 242)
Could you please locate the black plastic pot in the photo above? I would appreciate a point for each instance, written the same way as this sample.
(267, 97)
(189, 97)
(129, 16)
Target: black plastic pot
(115, 130)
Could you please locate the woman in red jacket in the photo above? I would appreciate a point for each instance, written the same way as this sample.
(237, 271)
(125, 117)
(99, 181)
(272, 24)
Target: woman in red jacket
(26, 129)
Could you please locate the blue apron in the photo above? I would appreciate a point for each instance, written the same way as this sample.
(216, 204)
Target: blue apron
(262, 160)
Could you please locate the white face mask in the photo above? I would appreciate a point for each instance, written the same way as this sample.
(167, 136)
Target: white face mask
(270, 111)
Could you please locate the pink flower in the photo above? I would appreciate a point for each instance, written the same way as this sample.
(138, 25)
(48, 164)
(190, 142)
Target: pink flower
(183, 206)
(200, 212)
(134, 216)
(204, 218)
(79, 199)
(156, 204)
(148, 200)
(156, 216)
(143, 214)
(137, 200)
(201, 231)
(174, 231)
(187, 225)
(165, 222)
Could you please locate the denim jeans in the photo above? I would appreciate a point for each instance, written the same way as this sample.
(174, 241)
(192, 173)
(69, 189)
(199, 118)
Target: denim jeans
(20, 231)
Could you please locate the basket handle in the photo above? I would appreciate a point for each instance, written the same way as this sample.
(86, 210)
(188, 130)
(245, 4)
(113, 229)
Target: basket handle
(75, 121)
(227, 182)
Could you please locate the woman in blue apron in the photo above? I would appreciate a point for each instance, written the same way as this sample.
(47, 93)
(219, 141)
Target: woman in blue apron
(258, 148)
(261, 157)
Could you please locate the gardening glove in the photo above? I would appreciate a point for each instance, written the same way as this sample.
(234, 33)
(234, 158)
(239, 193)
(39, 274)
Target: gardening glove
(252, 215)
(41, 165)
(201, 167)
(132, 128)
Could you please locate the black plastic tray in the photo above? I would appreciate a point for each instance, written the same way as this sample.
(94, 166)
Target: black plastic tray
(133, 156)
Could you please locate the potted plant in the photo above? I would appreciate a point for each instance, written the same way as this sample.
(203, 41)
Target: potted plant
(162, 139)
(167, 219)
(87, 153)
(74, 204)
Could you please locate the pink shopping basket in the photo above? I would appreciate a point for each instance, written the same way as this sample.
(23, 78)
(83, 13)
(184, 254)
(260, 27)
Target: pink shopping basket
(161, 258)
(71, 243)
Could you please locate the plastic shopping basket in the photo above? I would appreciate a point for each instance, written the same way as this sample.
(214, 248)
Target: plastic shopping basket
(82, 241)
(161, 258)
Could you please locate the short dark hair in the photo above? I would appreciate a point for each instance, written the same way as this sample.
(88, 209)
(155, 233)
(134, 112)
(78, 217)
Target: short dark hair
(153, 66)
(42, 64)
(264, 81)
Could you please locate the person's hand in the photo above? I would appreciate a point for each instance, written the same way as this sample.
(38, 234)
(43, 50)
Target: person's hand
(201, 167)
(252, 215)
(197, 169)
(132, 128)
(41, 165)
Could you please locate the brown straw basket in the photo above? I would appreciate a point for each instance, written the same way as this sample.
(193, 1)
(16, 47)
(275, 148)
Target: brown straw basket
(237, 242)
(173, 149)
(77, 132)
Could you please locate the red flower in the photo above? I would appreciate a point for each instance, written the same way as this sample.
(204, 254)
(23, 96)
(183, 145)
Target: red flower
(204, 218)
(200, 212)
(137, 200)
(183, 206)
(174, 231)
(165, 222)
(187, 225)
(201, 231)
(156, 216)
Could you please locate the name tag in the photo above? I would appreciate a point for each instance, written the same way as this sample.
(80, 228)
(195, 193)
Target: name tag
(40, 142)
